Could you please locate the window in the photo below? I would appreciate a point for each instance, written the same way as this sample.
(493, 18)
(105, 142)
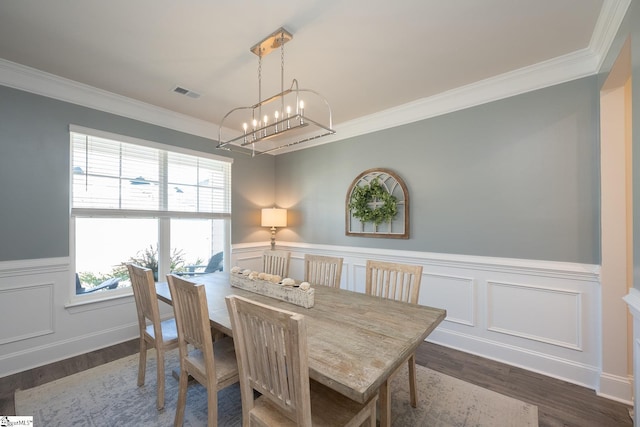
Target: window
(161, 207)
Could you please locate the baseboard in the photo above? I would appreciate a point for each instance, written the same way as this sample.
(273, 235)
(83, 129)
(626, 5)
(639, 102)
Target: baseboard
(34, 357)
(562, 369)
(616, 388)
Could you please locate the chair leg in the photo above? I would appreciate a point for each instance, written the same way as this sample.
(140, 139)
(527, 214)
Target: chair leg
(160, 375)
(384, 400)
(182, 397)
(142, 364)
(372, 414)
(413, 392)
(212, 408)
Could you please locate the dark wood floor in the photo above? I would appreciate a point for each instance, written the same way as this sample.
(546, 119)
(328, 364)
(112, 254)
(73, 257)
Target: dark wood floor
(559, 403)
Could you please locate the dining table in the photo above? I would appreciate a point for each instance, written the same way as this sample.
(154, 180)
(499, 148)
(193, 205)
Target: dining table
(355, 341)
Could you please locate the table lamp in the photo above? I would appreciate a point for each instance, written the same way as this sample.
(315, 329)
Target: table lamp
(274, 217)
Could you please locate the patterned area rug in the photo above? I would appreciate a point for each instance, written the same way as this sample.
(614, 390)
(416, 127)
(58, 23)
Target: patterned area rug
(108, 396)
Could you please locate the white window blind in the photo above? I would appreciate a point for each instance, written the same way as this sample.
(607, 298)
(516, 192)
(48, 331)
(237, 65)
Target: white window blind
(111, 175)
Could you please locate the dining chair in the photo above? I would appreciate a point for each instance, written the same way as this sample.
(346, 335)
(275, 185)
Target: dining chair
(276, 262)
(154, 332)
(322, 270)
(400, 282)
(212, 364)
(271, 346)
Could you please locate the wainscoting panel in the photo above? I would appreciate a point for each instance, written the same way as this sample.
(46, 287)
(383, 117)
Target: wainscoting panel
(40, 323)
(546, 315)
(455, 294)
(27, 310)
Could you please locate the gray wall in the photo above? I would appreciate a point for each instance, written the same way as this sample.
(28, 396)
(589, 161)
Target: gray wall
(513, 178)
(34, 173)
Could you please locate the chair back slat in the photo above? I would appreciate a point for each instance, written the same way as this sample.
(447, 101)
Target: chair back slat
(400, 282)
(271, 347)
(323, 270)
(276, 262)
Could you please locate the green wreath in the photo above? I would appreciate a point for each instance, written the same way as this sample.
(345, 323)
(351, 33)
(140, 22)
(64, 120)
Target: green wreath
(362, 197)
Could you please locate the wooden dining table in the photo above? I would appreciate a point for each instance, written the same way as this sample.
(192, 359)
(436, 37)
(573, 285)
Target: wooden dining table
(355, 341)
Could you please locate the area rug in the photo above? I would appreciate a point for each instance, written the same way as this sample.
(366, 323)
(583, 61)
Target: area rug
(108, 396)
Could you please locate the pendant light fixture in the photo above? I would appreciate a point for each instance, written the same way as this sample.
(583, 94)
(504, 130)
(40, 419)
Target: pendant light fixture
(281, 120)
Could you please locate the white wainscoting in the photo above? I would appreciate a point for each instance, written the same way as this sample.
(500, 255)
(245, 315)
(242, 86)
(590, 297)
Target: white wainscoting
(538, 315)
(542, 316)
(633, 301)
(39, 323)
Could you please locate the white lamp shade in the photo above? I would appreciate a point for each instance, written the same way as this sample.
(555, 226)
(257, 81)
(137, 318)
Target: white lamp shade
(274, 217)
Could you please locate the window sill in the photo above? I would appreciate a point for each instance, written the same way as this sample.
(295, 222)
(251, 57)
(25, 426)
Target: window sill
(82, 303)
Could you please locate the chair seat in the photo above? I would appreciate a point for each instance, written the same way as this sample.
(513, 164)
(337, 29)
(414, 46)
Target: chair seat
(169, 331)
(225, 356)
(328, 408)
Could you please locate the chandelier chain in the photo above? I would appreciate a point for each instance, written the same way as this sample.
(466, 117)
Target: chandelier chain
(259, 83)
(282, 69)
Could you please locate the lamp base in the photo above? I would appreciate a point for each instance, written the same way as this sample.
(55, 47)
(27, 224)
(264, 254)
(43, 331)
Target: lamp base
(273, 238)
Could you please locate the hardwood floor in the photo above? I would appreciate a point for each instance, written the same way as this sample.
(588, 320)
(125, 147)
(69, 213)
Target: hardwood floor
(559, 403)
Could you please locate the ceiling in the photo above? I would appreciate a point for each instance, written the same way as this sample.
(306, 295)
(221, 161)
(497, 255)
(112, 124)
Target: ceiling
(370, 59)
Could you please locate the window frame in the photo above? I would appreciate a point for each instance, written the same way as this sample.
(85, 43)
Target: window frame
(163, 217)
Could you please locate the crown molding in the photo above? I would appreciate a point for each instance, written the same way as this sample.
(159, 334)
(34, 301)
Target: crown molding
(38, 82)
(548, 73)
(558, 70)
(604, 33)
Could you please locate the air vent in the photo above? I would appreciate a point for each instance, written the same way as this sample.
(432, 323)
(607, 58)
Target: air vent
(187, 92)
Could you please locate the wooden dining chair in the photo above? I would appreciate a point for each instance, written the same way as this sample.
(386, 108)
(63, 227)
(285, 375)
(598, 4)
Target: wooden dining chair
(154, 332)
(211, 364)
(400, 282)
(322, 270)
(276, 262)
(271, 346)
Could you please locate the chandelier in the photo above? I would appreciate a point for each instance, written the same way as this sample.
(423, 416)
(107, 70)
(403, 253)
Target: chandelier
(280, 121)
